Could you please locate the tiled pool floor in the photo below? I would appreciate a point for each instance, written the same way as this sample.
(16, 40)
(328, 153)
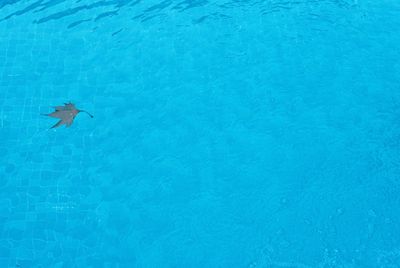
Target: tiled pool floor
(225, 134)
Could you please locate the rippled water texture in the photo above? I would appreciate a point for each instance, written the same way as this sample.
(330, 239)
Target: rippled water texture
(225, 134)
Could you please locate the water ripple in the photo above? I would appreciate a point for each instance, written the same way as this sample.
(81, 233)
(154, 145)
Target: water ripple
(49, 10)
(188, 4)
(72, 11)
(25, 10)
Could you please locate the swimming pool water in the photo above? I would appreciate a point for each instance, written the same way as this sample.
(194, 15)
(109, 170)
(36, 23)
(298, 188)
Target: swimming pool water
(226, 133)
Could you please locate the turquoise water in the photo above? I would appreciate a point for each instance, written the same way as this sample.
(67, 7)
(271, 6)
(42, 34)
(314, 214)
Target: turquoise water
(225, 133)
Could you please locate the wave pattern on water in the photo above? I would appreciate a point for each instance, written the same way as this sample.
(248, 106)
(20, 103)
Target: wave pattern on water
(46, 11)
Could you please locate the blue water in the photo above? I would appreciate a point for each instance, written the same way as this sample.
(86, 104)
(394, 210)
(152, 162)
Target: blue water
(226, 133)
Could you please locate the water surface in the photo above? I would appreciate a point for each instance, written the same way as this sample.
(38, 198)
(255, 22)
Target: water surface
(226, 133)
